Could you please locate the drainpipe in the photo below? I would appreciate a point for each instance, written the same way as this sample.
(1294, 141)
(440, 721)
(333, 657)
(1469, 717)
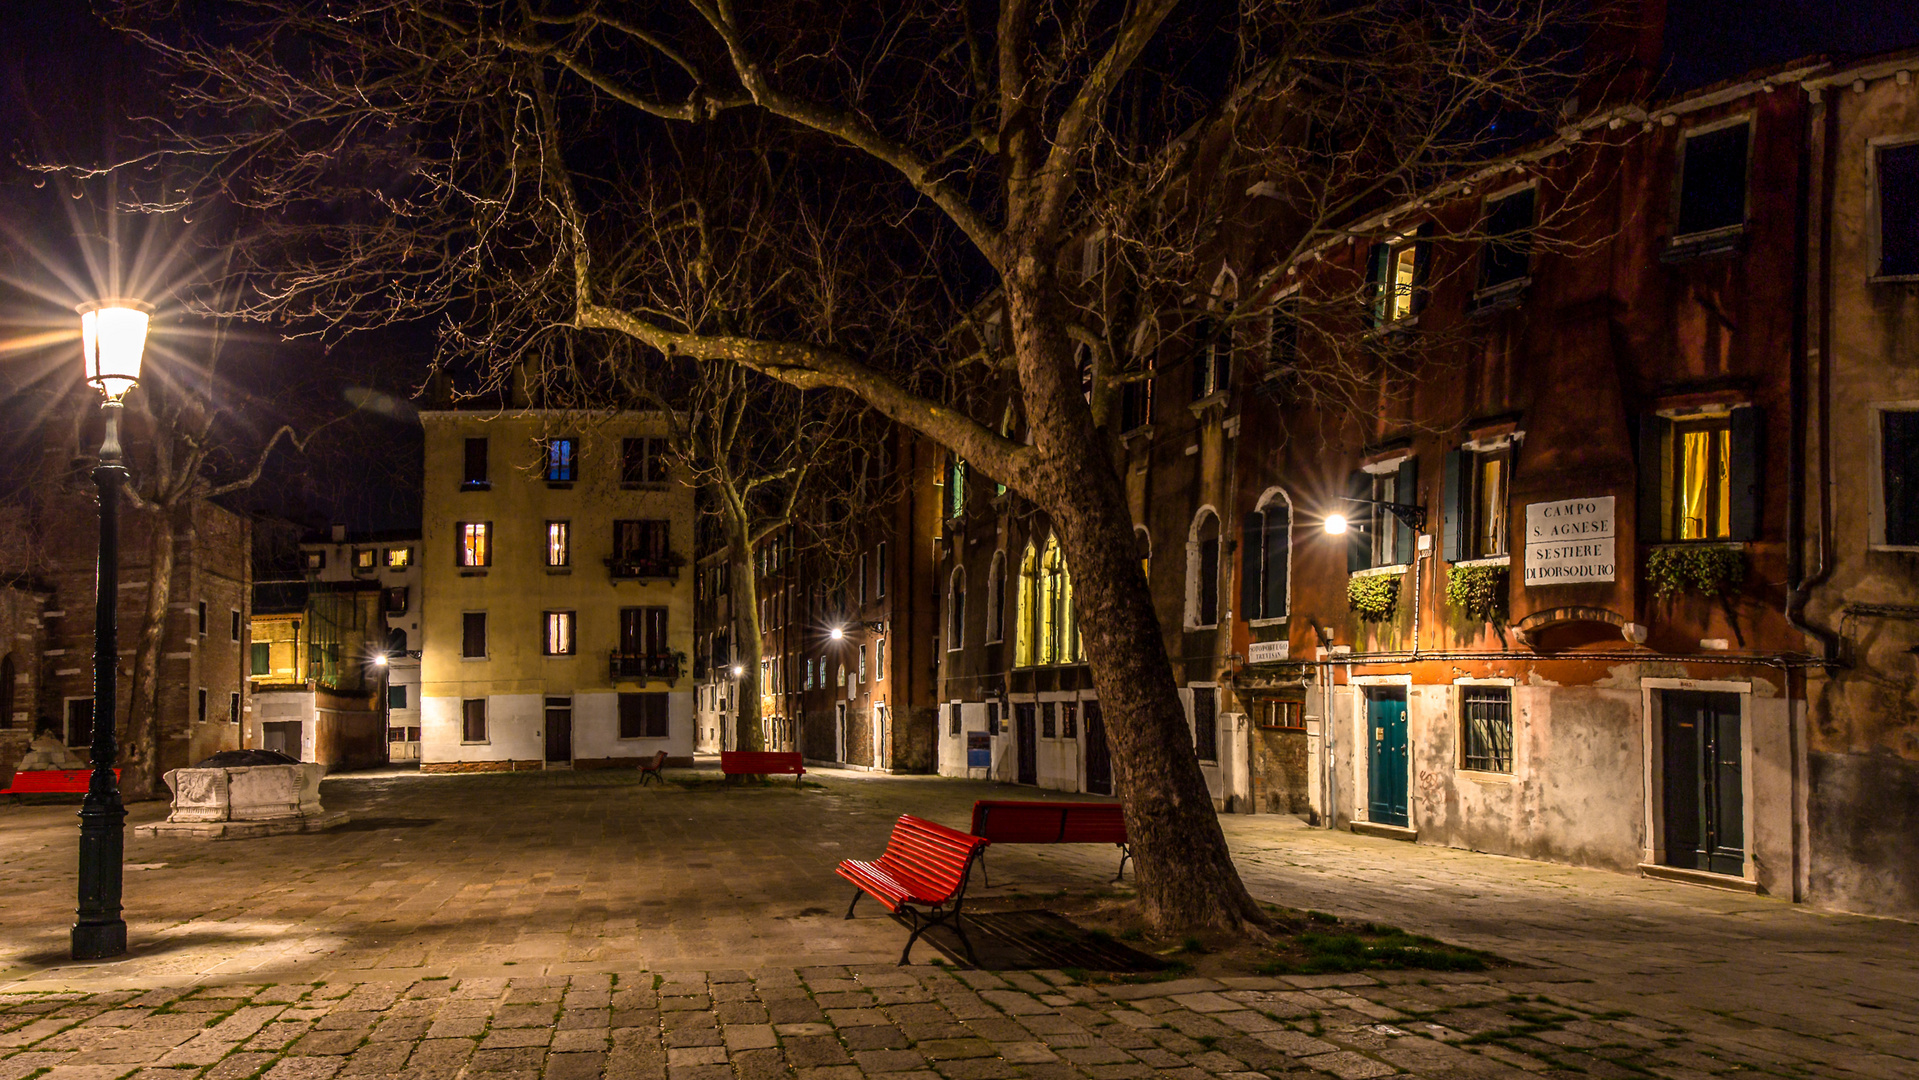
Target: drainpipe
(1799, 584)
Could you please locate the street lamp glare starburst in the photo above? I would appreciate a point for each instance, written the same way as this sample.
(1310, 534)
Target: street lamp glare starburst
(1336, 524)
(113, 339)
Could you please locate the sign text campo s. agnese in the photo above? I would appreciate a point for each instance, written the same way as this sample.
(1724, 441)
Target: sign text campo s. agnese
(1569, 542)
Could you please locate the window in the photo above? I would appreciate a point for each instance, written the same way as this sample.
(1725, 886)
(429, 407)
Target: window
(638, 541)
(956, 610)
(558, 637)
(952, 718)
(203, 618)
(233, 625)
(79, 721)
(1213, 366)
(955, 487)
(1898, 478)
(366, 559)
(262, 658)
(1898, 169)
(996, 599)
(473, 635)
(1202, 572)
(1375, 537)
(643, 461)
(233, 707)
(1136, 401)
(1475, 498)
(203, 704)
(1025, 641)
(395, 602)
(396, 697)
(879, 570)
(1396, 278)
(1054, 633)
(476, 544)
(1206, 723)
(313, 560)
(992, 718)
(1699, 476)
(1278, 714)
(7, 690)
(643, 633)
(1486, 738)
(1712, 181)
(1048, 720)
(879, 660)
(474, 477)
(862, 663)
(1505, 259)
(643, 716)
(399, 558)
(473, 720)
(562, 460)
(809, 673)
(559, 544)
(1266, 548)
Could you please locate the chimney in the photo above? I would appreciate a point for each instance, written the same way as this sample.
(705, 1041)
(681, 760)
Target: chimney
(339, 534)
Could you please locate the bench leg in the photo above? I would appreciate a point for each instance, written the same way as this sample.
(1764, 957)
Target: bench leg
(918, 927)
(960, 929)
(1125, 853)
(986, 882)
(856, 902)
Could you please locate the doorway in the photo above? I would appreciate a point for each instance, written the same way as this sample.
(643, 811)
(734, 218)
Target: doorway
(839, 733)
(1026, 744)
(559, 733)
(1099, 761)
(1704, 780)
(281, 735)
(1387, 758)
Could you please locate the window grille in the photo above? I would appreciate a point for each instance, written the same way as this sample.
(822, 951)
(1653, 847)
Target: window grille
(1487, 714)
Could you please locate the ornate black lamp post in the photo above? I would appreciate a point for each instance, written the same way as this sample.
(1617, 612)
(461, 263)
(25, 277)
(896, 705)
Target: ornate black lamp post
(113, 335)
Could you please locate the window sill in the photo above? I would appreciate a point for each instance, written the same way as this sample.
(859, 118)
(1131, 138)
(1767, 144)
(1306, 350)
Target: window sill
(1214, 400)
(1382, 571)
(558, 655)
(472, 571)
(473, 659)
(482, 742)
(1193, 628)
(1486, 560)
(994, 641)
(1397, 326)
(1714, 244)
(559, 569)
(1893, 279)
(477, 485)
(560, 485)
(1500, 297)
(1483, 776)
(1280, 621)
(1143, 431)
(1736, 545)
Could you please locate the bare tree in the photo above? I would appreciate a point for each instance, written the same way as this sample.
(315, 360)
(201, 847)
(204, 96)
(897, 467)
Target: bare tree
(506, 157)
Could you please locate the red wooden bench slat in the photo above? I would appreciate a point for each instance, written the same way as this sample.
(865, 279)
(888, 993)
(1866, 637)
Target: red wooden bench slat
(51, 782)
(761, 762)
(925, 864)
(1028, 822)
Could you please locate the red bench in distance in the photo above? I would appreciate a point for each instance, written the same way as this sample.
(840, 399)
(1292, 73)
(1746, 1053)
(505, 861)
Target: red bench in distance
(650, 769)
(51, 782)
(922, 875)
(762, 763)
(1009, 822)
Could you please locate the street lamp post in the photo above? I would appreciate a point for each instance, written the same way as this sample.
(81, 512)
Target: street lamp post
(113, 336)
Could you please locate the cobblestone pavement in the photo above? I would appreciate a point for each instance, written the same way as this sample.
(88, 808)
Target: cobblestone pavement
(578, 926)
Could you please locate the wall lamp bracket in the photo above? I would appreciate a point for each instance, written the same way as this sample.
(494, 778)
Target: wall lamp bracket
(1413, 516)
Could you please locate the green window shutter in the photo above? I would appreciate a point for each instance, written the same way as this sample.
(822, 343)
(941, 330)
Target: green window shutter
(1251, 565)
(1359, 518)
(1453, 511)
(262, 658)
(1406, 491)
(1743, 471)
(1279, 542)
(1655, 442)
(1376, 292)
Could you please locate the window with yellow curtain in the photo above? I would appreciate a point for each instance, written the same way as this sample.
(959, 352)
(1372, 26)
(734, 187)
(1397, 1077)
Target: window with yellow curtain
(1026, 610)
(1702, 482)
(1489, 503)
(1050, 589)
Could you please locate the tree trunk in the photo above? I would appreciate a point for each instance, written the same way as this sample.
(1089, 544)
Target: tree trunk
(747, 730)
(145, 731)
(1186, 877)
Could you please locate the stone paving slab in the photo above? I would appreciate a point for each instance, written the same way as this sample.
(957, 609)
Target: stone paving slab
(573, 925)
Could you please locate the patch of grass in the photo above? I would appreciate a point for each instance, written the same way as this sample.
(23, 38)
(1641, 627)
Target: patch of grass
(1322, 917)
(1368, 947)
(1078, 975)
(1193, 945)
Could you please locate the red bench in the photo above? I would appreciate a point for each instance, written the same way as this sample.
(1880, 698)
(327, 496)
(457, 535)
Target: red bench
(762, 763)
(52, 782)
(1008, 822)
(650, 770)
(922, 875)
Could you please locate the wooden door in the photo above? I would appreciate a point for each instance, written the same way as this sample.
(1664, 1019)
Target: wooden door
(559, 731)
(1099, 760)
(1386, 765)
(1025, 744)
(1704, 782)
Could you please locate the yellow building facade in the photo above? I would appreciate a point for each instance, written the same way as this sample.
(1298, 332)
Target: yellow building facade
(559, 626)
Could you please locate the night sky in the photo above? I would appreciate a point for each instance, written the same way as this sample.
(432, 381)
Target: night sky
(68, 87)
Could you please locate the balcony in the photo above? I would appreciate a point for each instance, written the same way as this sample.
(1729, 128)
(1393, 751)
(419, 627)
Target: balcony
(642, 567)
(641, 667)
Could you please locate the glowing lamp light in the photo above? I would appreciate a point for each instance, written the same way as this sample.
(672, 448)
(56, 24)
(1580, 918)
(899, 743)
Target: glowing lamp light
(836, 633)
(379, 660)
(1335, 524)
(113, 337)
(738, 671)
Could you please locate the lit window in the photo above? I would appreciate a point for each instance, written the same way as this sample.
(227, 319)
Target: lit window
(399, 558)
(476, 544)
(1396, 278)
(1486, 736)
(1702, 486)
(366, 559)
(1025, 653)
(559, 634)
(956, 487)
(314, 560)
(559, 547)
(1699, 476)
(1476, 486)
(561, 460)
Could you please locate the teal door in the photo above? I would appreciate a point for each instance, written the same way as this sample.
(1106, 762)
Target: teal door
(1386, 765)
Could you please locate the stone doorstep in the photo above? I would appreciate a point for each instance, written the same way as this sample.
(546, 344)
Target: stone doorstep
(1379, 829)
(242, 830)
(1698, 877)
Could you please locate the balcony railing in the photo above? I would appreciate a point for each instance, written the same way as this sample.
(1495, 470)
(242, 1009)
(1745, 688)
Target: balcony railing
(628, 667)
(636, 567)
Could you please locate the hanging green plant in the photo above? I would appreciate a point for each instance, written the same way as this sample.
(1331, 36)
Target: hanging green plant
(1477, 592)
(1710, 570)
(1374, 599)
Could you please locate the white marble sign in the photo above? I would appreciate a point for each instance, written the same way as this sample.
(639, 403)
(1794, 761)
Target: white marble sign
(1569, 542)
(1267, 652)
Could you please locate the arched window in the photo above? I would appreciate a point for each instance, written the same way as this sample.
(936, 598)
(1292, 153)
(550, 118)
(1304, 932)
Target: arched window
(1265, 558)
(996, 599)
(1058, 636)
(956, 487)
(1024, 653)
(1213, 365)
(1202, 571)
(956, 610)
